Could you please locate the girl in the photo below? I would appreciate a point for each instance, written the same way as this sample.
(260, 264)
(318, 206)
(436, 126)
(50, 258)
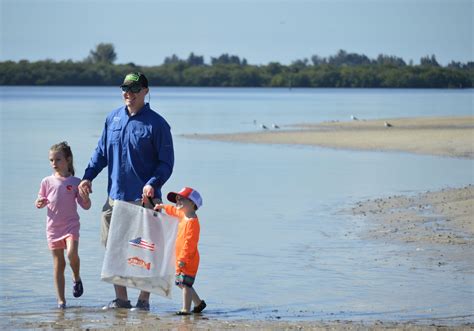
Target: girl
(59, 193)
(187, 255)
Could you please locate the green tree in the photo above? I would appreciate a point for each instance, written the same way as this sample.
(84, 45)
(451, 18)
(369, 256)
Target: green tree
(429, 61)
(349, 59)
(172, 59)
(228, 59)
(194, 60)
(299, 65)
(103, 53)
(341, 70)
(388, 60)
(317, 60)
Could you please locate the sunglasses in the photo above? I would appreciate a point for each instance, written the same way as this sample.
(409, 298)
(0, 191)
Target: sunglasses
(132, 88)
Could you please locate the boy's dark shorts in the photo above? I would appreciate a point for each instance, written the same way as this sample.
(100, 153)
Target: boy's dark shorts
(182, 279)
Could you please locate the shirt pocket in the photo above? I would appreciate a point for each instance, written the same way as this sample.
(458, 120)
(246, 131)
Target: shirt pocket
(141, 135)
(114, 133)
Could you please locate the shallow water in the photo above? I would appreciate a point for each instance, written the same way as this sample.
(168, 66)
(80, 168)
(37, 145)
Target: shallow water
(274, 243)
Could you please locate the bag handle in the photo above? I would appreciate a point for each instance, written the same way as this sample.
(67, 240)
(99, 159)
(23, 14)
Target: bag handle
(150, 200)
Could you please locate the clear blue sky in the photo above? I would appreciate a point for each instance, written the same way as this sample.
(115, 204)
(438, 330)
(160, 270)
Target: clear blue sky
(146, 31)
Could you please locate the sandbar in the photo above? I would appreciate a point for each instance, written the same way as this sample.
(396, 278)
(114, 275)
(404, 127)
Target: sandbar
(442, 136)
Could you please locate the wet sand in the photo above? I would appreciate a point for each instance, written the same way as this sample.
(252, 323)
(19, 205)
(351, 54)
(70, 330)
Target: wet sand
(440, 224)
(88, 319)
(442, 217)
(444, 136)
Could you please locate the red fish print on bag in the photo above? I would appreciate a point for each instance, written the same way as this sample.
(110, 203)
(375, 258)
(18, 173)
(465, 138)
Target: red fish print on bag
(139, 262)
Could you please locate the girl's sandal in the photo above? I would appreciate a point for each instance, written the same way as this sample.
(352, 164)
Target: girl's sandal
(183, 313)
(199, 308)
(77, 288)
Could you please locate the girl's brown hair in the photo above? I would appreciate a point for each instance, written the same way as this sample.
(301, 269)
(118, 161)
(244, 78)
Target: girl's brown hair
(64, 148)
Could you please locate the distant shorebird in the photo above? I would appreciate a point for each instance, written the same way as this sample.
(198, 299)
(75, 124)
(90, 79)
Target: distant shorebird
(275, 126)
(263, 126)
(388, 125)
(354, 118)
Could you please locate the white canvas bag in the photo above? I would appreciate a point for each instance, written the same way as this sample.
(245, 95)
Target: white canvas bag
(140, 250)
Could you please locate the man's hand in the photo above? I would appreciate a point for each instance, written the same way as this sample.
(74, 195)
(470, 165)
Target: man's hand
(148, 191)
(85, 188)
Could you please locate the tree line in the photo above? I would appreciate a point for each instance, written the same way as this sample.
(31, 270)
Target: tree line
(340, 70)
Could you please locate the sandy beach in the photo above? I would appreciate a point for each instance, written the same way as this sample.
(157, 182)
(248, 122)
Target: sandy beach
(444, 136)
(442, 217)
(438, 225)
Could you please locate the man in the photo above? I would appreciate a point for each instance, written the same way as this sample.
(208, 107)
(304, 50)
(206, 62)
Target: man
(137, 148)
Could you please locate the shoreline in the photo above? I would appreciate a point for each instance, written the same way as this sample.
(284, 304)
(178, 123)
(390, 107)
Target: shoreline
(123, 320)
(440, 136)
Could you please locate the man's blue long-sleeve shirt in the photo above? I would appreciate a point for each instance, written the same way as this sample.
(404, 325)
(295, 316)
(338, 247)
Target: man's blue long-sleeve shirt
(138, 150)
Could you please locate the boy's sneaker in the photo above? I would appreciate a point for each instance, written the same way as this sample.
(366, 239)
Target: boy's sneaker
(77, 289)
(118, 303)
(141, 305)
(61, 306)
(199, 308)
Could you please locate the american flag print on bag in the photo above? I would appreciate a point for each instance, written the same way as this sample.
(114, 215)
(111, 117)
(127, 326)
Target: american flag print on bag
(141, 243)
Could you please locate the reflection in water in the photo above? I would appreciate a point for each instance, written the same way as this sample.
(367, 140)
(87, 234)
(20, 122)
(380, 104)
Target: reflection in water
(86, 318)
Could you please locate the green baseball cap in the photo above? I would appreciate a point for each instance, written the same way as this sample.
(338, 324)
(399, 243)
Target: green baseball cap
(135, 78)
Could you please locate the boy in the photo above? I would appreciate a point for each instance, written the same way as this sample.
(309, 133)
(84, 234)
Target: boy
(187, 255)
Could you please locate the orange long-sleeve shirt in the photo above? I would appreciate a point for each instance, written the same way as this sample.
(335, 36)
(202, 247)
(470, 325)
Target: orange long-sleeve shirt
(186, 241)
